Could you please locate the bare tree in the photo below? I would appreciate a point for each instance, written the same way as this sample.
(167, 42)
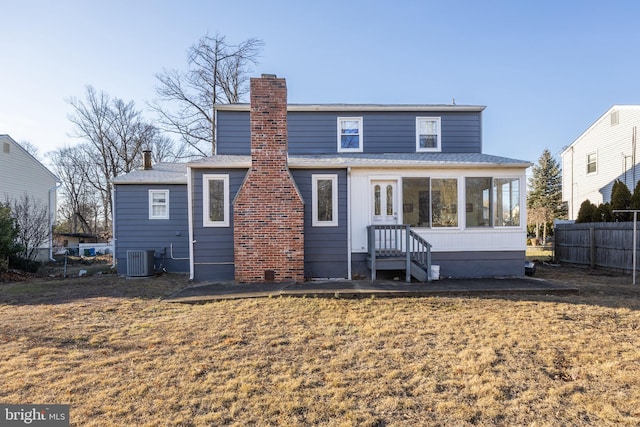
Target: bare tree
(32, 220)
(539, 217)
(78, 204)
(31, 149)
(114, 135)
(217, 74)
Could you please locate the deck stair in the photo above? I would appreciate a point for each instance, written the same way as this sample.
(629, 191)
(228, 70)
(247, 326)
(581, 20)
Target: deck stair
(398, 247)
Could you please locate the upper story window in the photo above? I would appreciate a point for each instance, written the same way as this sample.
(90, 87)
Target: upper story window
(350, 134)
(158, 204)
(215, 200)
(325, 200)
(428, 134)
(592, 163)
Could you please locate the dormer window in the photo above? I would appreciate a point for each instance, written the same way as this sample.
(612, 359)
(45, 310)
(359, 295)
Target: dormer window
(349, 134)
(428, 134)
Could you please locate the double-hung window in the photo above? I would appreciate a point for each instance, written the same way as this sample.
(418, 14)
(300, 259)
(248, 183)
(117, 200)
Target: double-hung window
(350, 134)
(428, 134)
(324, 200)
(592, 163)
(158, 204)
(215, 189)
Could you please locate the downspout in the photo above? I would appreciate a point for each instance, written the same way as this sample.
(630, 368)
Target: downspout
(349, 237)
(113, 226)
(573, 210)
(51, 214)
(190, 222)
(633, 155)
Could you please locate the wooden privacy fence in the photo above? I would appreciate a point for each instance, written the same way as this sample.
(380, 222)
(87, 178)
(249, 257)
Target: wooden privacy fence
(596, 244)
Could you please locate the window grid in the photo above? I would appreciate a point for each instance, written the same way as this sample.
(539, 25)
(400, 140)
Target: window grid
(428, 136)
(350, 135)
(158, 204)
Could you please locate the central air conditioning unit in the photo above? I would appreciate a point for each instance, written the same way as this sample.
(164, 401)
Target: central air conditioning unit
(140, 263)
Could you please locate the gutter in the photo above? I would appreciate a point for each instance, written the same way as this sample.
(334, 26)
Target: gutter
(51, 214)
(190, 222)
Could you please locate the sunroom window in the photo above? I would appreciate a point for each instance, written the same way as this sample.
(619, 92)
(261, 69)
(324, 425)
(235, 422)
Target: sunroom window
(430, 202)
(492, 202)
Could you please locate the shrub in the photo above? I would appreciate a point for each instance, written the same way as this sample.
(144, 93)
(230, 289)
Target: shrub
(587, 212)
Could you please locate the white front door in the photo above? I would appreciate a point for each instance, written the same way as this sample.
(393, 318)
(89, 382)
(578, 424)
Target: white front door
(384, 202)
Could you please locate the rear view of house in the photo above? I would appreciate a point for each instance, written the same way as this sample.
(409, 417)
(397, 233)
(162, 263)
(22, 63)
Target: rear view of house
(331, 191)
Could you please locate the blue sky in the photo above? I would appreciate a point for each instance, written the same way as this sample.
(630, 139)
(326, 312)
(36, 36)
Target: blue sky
(546, 70)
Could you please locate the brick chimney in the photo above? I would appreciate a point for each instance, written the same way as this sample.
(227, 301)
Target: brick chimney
(268, 211)
(146, 160)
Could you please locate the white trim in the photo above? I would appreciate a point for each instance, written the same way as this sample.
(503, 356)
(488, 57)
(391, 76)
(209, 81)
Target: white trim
(166, 204)
(349, 239)
(206, 222)
(360, 135)
(314, 200)
(438, 146)
(361, 107)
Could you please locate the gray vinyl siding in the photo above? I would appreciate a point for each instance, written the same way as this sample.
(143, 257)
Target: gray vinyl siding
(325, 248)
(233, 132)
(213, 246)
(458, 265)
(311, 132)
(135, 231)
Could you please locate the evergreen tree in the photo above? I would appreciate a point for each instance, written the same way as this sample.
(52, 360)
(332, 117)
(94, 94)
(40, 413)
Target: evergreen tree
(545, 189)
(635, 197)
(604, 213)
(587, 212)
(621, 199)
(8, 235)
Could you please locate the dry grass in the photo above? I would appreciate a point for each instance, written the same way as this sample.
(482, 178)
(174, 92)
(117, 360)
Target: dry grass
(120, 356)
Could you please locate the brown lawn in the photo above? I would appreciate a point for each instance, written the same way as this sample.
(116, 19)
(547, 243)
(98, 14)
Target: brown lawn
(120, 356)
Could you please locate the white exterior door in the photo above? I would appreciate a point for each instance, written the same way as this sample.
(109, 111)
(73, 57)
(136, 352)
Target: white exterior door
(384, 202)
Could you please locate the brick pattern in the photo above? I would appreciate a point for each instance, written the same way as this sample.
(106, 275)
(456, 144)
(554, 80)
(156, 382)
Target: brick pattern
(268, 212)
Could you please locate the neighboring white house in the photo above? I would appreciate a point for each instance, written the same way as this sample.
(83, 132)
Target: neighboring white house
(606, 151)
(21, 173)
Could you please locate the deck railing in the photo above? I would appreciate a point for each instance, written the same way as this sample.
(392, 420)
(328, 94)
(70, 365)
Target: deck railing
(398, 240)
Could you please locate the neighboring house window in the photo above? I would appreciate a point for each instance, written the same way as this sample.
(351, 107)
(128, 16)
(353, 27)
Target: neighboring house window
(428, 134)
(5, 147)
(215, 200)
(350, 134)
(492, 202)
(430, 202)
(325, 200)
(592, 163)
(158, 204)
